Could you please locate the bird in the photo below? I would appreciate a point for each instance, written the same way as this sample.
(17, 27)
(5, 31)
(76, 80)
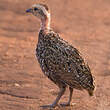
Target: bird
(60, 61)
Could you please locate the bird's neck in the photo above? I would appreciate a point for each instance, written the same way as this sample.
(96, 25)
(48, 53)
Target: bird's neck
(45, 23)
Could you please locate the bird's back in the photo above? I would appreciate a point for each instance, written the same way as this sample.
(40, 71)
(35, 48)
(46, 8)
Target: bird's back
(62, 62)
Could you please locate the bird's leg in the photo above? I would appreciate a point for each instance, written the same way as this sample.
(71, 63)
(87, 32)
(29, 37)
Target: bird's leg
(70, 98)
(62, 90)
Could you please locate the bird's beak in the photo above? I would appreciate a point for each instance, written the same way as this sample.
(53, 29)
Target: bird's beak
(29, 10)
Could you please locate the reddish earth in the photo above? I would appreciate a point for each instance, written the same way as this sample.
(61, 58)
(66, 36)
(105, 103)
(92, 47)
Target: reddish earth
(83, 23)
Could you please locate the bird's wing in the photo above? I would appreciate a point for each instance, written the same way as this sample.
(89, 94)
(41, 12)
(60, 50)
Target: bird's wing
(66, 63)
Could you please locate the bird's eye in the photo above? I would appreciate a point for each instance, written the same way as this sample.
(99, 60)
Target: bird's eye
(35, 9)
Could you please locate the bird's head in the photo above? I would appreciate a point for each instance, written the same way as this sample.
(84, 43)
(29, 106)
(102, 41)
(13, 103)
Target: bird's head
(39, 10)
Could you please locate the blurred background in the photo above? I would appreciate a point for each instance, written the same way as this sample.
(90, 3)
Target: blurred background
(83, 23)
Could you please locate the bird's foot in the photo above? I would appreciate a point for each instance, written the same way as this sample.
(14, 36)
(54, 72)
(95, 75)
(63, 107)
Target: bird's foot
(65, 104)
(48, 106)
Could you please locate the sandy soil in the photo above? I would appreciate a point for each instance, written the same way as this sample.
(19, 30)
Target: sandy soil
(83, 23)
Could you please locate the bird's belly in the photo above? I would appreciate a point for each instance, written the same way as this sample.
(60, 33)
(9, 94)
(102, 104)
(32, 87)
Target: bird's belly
(50, 70)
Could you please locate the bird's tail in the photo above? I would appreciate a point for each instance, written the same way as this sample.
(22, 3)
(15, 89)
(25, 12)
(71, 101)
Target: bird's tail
(91, 91)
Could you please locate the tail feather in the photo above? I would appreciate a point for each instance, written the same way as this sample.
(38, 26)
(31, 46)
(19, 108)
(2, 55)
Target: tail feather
(90, 92)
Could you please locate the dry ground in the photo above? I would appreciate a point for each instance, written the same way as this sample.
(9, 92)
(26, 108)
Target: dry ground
(83, 23)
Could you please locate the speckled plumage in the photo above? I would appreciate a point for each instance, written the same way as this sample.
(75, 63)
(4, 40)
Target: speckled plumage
(59, 60)
(62, 63)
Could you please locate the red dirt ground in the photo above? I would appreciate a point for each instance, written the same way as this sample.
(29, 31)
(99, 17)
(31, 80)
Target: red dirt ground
(83, 23)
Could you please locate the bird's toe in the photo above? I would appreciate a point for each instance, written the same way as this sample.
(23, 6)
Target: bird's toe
(48, 106)
(65, 104)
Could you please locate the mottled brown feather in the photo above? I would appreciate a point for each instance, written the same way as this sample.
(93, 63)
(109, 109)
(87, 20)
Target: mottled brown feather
(44, 5)
(62, 63)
